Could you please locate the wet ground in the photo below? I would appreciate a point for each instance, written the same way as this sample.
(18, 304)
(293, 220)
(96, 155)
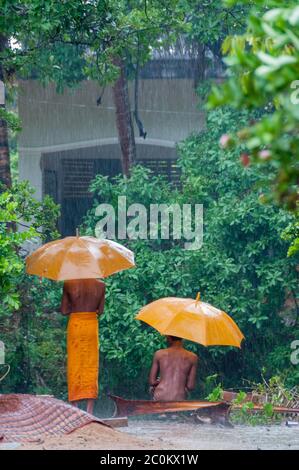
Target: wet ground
(175, 435)
(168, 434)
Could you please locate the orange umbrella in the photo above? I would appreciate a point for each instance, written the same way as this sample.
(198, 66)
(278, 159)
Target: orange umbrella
(191, 319)
(79, 258)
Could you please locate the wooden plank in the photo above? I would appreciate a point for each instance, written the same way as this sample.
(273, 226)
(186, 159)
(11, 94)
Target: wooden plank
(125, 408)
(116, 422)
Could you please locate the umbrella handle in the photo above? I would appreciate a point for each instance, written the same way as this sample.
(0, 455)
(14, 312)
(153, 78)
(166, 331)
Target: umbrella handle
(197, 297)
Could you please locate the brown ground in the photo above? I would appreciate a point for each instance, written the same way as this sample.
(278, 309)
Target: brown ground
(93, 437)
(170, 434)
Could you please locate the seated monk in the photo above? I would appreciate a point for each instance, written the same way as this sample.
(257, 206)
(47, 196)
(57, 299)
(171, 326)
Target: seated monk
(83, 300)
(173, 372)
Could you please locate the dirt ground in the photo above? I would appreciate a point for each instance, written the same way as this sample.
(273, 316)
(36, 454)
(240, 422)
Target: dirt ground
(93, 437)
(189, 436)
(155, 435)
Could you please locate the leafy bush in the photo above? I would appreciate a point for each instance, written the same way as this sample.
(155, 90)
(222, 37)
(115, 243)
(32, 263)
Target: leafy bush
(26, 329)
(37, 220)
(242, 266)
(263, 73)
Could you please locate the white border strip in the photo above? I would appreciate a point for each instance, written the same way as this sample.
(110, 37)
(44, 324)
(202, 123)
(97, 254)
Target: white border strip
(96, 143)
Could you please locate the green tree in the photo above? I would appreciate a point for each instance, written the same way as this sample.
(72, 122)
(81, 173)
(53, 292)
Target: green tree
(98, 38)
(263, 66)
(22, 297)
(107, 41)
(208, 23)
(5, 175)
(37, 221)
(242, 266)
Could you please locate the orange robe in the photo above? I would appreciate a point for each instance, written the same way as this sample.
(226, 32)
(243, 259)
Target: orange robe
(82, 356)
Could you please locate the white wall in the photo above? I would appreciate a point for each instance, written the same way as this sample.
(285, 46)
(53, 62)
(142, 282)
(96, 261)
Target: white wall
(52, 122)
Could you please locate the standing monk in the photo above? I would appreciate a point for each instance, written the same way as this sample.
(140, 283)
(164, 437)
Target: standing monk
(173, 371)
(83, 300)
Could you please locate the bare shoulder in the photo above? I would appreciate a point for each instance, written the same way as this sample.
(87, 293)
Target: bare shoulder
(193, 357)
(160, 353)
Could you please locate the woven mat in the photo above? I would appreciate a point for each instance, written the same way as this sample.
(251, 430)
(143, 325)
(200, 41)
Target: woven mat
(27, 418)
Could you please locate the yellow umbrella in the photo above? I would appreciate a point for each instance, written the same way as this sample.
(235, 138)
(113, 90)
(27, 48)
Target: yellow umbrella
(79, 258)
(193, 320)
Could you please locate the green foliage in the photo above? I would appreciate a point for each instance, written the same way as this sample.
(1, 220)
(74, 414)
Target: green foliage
(242, 266)
(277, 391)
(209, 22)
(263, 70)
(241, 396)
(14, 165)
(69, 41)
(127, 346)
(268, 410)
(271, 393)
(18, 206)
(10, 264)
(216, 394)
(242, 410)
(11, 119)
(291, 234)
(35, 339)
(31, 338)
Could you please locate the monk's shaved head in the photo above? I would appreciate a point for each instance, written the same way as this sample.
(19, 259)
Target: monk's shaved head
(172, 339)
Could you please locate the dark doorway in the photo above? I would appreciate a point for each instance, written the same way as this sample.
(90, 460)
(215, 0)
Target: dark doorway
(76, 198)
(67, 176)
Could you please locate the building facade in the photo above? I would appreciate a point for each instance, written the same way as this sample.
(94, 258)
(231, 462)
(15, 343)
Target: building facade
(67, 138)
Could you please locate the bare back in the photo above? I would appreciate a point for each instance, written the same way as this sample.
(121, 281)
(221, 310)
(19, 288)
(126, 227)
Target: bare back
(176, 368)
(83, 295)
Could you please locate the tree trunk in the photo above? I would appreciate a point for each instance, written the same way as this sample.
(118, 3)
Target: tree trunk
(5, 173)
(124, 121)
(200, 70)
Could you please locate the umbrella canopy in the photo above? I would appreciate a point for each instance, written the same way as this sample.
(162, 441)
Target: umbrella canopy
(79, 258)
(193, 320)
